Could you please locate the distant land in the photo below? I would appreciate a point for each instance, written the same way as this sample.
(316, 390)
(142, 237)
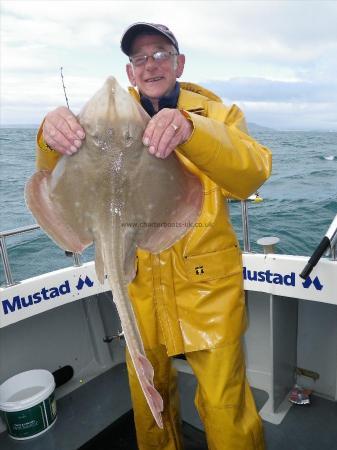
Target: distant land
(252, 126)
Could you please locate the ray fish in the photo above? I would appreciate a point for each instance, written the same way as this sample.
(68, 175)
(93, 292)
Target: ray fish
(115, 194)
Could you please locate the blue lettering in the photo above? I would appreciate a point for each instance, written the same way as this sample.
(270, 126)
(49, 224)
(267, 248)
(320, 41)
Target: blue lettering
(65, 288)
(44, 293)
(268, 275)
(11, 307)
(17, 302)
(37, 297)
(28, 302)
(289, 280)
(54, 292)
(278, 279)
(252, 277)
(261, 276)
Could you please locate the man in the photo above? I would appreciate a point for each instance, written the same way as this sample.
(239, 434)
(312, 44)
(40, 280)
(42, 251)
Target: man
(188, 299)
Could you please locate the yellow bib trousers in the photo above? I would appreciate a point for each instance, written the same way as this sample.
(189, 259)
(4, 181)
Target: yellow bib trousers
(223, 399)
(190, 297)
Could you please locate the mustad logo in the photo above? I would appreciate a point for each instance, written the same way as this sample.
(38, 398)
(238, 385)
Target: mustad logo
(17, 302)
(266, 276)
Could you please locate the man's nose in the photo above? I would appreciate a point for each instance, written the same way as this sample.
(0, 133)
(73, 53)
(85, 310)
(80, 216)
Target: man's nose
(150, 62)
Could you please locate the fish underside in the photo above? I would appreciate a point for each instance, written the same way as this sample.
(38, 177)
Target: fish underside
(113, 193)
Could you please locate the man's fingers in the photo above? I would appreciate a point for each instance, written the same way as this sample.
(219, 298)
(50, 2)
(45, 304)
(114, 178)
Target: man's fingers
(59, 142)
(168, 141)
(62, 131)
(64, 150)
(166, 131)
(74, 126)
(165, 150)
(156, 128)
(58, 123)
(148, 133)
(160, 132)
(153, 133)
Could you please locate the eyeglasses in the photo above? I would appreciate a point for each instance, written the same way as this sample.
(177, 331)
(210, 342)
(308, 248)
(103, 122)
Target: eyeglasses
(141, 60)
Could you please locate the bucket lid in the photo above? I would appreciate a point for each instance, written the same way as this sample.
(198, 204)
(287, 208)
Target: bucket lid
(19, 382)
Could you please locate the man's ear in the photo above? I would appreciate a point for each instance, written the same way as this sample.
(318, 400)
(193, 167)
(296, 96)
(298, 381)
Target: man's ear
(131, 75)
(180, 65)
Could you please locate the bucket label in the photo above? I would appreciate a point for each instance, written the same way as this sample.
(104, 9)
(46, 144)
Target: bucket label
(29, 422)
(26, 423)
(50, 405)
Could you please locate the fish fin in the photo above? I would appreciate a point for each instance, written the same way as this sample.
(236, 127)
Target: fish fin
(49, 215)
(99, 261)
(153, 397)
(181, 215)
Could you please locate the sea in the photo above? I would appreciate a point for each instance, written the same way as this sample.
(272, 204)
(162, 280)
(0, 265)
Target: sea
(299, 199)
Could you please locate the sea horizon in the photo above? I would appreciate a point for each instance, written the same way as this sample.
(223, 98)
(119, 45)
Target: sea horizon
(249, 124)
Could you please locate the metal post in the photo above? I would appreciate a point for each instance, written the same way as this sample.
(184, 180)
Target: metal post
(245, 225)
(334, 252)
(268, 243)
(333, 245)
(77, 259)
(5, 262)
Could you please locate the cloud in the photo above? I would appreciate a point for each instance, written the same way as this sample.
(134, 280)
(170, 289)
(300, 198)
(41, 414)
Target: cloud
(282, 105)
(252, 52)
(261, 89)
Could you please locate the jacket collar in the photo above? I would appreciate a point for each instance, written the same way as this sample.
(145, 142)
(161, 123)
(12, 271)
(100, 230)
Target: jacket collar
(192, 97)
(167, 101)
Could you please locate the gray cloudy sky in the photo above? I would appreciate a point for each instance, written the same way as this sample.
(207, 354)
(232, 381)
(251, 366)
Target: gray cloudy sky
(276, 59)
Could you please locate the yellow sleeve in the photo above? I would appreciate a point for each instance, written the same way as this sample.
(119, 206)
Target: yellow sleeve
(221, 148)
(46, 157)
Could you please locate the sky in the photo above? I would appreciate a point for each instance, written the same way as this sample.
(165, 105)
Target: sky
(277, 60)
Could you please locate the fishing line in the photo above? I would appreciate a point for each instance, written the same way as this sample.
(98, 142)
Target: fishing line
(64, 88)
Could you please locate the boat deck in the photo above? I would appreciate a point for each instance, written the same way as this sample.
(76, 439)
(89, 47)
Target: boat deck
(310, 427)
(98, 416)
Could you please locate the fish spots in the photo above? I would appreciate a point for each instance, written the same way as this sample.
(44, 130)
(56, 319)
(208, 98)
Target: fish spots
(116, 207)
(116, 164)
(105, 142)
(128, 138)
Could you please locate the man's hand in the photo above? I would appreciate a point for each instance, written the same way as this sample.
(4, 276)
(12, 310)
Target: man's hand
(62, 132)
(165, 131)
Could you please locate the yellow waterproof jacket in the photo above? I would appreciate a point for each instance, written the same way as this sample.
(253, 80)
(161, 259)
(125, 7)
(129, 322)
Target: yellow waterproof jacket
(190, 297)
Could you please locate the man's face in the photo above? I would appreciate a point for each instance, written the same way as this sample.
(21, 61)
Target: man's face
(154, 79)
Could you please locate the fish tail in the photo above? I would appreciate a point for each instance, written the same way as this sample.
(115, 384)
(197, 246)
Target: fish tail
(114, 262)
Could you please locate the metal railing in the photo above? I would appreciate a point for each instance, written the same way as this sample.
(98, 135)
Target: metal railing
(9, 281)
(332, 232)
(245, 226)
(76, 256)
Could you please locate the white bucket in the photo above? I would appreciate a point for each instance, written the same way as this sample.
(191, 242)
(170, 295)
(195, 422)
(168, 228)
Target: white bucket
(27, 403)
